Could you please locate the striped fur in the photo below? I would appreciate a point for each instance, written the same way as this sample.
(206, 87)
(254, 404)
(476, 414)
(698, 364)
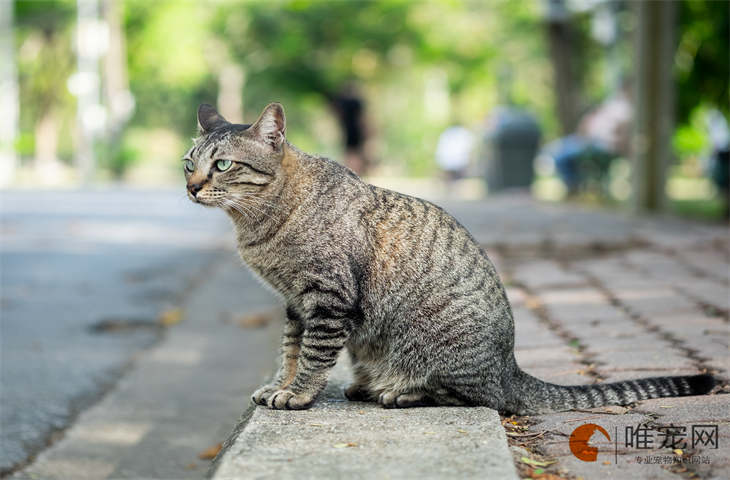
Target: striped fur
(394, 279)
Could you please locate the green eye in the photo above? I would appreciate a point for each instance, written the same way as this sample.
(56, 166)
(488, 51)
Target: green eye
(189, 165)
(223, 165)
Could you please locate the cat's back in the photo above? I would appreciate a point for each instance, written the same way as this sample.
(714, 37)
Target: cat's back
(420, 248)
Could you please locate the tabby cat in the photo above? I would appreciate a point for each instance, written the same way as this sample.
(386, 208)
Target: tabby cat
(394, 279)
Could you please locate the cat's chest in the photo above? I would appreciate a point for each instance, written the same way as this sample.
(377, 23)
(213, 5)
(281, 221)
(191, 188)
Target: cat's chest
(274, 271)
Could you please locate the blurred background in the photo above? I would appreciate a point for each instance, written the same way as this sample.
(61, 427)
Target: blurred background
(612, 102)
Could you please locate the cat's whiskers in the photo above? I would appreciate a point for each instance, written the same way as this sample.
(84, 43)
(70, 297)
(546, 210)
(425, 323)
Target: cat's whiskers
(239, 203)
(242, 208)
(261, 204)
(224, 202)
(251, 205)
(261, 201)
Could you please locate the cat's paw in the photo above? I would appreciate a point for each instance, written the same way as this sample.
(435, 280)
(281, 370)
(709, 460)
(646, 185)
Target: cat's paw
(288, 400)
(392, 399)
(358, 393)
(261, 396)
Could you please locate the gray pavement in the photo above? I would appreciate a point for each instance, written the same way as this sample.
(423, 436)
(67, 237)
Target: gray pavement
(73, 261)
(183, 395)
(341, 439)
(650, 308)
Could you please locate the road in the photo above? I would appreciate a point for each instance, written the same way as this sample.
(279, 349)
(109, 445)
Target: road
(84, 277)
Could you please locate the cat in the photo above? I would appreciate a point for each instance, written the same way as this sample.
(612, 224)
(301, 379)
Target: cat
(393, 279)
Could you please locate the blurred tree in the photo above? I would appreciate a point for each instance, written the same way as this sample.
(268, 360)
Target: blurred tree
(701, 63)
(422, 64)
(9, 98)
(45, 61)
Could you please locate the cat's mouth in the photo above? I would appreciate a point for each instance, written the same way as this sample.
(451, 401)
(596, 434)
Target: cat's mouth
(206, 202)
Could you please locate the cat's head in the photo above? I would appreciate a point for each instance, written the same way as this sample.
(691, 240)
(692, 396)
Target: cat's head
(234, 166)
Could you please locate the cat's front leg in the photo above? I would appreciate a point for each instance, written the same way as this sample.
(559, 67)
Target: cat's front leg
(323, 339)
(290, 347)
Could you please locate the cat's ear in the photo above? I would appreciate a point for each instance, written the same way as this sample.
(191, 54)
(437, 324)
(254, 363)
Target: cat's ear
(270, 128)
(209, 119)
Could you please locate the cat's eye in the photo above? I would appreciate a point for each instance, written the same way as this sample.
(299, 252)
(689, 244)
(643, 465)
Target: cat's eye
(223, 165)
(189, 166)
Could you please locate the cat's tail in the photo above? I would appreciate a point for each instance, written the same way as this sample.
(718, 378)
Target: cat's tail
(531, 395)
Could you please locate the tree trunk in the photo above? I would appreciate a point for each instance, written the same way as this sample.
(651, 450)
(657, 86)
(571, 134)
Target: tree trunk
(562, 52)
(654, 100)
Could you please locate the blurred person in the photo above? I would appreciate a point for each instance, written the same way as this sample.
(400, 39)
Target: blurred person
(609, 125)
(603, 135)
(349, 107)
(579, 159)
(453, 153)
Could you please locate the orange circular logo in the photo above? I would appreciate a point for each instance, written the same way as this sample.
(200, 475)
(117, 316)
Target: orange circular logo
(579, 442)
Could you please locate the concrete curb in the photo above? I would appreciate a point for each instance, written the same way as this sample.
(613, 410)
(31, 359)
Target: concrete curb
(337, 438)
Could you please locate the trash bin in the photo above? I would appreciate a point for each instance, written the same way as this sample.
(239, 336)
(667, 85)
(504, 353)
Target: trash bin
(512, 144)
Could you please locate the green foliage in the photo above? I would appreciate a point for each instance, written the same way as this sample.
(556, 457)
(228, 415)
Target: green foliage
(691, 138)
(702, 66)
(169, 72)
(45, 61)
(402, 54)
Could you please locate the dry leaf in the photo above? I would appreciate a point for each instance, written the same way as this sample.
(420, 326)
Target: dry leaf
(170, 317)
(211, 452)
(460, 430)
(345, 445)
(607, 462)
(678, 451)
(255, 320)
(191, 466)
(536, 463)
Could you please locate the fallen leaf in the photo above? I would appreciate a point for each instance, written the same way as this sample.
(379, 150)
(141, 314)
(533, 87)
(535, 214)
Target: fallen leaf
(345, 445)
(678, 451)
(170, 317)
(255, 320)
(191, 466)
(536, 463)
(532, 303)
(607, 462)
(361, 412)
(461, 430)
(316, 425)
(210, 452)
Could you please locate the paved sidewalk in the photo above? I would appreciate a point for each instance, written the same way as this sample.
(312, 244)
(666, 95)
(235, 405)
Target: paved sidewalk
(652, 301)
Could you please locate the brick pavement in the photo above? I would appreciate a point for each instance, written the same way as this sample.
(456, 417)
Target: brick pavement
(648, 307)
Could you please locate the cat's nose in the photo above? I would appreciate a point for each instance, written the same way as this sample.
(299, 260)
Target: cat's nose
(194, 188)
